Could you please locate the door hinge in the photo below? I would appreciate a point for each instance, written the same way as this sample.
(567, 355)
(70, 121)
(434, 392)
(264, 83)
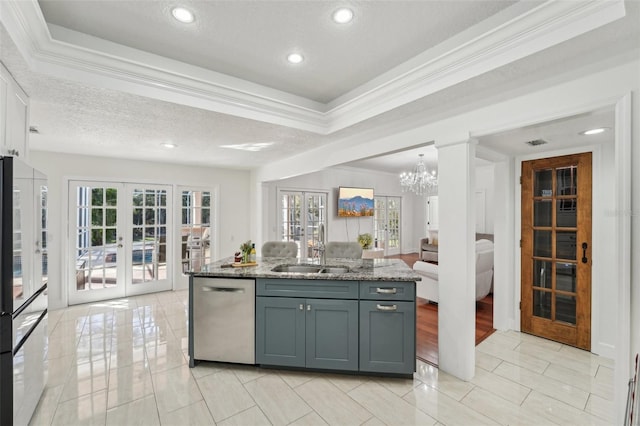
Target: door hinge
(520, 243)
(520, 180)
(520, 305)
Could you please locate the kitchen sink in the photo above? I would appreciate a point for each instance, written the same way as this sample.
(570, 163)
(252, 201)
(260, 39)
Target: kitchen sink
(334, 270)
(305, 269)
(311, 269)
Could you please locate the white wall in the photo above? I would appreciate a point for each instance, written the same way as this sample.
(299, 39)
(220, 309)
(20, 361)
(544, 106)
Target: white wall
(344, 229)
(485, 182)
(233, 193)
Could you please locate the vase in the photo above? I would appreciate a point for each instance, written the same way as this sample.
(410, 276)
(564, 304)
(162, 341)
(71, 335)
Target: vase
(245, 257)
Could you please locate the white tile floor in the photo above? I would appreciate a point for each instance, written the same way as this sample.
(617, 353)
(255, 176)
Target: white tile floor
(124, 362)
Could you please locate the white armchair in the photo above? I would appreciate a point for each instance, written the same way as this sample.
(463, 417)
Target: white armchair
(341, 249)
(279, 249)
(427, 287)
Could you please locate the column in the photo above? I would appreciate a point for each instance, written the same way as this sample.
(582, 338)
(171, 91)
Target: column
(456, 258)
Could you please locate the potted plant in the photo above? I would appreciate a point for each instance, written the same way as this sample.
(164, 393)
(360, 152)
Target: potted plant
(365, 241)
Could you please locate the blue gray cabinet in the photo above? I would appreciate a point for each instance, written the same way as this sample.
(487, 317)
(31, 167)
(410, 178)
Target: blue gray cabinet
(312, 333)
(332, 334)
(307, 323)
(366, 326)
(387, 327)
(280, 331)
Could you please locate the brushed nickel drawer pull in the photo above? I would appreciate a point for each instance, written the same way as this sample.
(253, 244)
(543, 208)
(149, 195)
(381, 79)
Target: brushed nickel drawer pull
(387, 308)
(386, 290)
(223, 289)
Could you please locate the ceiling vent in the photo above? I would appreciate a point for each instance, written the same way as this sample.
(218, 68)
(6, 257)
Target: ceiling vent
(536, 142)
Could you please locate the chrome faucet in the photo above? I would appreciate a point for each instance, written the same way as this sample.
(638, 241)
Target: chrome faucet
(321, 250)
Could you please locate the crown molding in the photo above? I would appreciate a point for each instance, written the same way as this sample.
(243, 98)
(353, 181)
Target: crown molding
(506, 37)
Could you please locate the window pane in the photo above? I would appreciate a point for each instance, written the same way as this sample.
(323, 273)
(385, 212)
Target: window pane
(567, 180)
(96, 197)
(543, 183)
(137, 216)
(542, 212)
(111, 217)
(96, 217)
(566, 245)
(566, 308)
(542, 243)
(566, 277)
(541, 273)
(112, 197)
(566, 213)
(542, 304)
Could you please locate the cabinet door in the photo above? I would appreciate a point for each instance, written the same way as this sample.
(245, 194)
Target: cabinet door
(332, 334)
(280, 331)
(387, 337)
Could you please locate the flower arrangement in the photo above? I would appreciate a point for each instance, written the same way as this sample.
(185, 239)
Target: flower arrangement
(365, 240)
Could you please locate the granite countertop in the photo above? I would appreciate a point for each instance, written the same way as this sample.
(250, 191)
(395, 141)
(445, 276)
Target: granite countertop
(359, 269)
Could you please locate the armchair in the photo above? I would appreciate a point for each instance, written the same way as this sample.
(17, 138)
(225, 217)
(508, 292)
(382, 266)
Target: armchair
(427, 287)
(341, 249)
(279, 249)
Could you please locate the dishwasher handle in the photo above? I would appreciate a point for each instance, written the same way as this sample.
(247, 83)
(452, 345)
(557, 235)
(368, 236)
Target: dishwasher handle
(223, 289)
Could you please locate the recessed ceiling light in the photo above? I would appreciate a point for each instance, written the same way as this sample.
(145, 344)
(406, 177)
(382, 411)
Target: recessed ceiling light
(169, 145)
(183, 15)
(594, 131)
(295, 58)
(343, 15)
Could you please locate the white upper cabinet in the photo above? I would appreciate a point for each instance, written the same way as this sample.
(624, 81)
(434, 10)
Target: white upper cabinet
(14, 117)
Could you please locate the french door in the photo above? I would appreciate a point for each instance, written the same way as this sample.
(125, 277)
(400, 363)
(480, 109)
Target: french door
(387, 224)
(119, 238)
(556, 249)
(303, 219)
(196, 232)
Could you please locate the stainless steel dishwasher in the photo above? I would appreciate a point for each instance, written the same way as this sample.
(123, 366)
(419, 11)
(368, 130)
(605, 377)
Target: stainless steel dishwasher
(224, 319)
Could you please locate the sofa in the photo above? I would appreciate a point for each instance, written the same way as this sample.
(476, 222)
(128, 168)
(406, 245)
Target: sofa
(428, 250)
(427, 287)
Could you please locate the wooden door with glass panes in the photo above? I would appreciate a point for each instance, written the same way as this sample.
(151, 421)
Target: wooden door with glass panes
(556, 249)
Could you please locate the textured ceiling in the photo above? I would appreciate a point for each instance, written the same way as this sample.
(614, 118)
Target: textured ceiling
(77, 118)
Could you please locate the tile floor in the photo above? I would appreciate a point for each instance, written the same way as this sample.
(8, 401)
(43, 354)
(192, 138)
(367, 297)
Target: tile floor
(124, 362)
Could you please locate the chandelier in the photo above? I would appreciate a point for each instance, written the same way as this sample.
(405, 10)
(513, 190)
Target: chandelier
(419, 180)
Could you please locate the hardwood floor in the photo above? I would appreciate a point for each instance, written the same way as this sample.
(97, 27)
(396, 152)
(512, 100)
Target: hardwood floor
(427, 320)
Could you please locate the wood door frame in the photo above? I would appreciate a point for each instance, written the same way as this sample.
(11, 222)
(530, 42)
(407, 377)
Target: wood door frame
(578, 334)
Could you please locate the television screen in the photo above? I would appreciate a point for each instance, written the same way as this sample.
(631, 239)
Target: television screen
(355, 202)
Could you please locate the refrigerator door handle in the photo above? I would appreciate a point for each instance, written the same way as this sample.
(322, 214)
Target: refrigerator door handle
(30, 300)
(28, 333)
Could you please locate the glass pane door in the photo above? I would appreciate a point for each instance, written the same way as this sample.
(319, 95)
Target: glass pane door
(387, 224)
(556, 241)
(97, 249)
(195, 230)
(316, 208)
(148, 239)
(119, 234)
(308, 230)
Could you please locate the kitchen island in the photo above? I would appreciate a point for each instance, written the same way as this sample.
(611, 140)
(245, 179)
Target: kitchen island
(348, 315)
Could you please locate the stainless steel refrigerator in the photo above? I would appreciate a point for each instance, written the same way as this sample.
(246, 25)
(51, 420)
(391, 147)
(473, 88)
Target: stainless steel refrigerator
(23, 290)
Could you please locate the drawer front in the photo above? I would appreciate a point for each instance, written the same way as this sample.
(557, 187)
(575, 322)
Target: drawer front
(388, 290)
(318, 289)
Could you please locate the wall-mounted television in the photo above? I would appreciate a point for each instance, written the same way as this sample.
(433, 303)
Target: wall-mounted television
(355, 202)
